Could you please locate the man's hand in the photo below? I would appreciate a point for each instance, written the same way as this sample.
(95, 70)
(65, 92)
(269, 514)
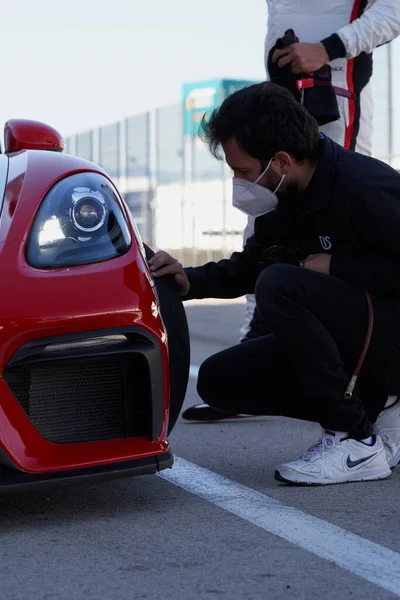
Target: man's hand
(164, 264)
(302, 56)
(318, 262)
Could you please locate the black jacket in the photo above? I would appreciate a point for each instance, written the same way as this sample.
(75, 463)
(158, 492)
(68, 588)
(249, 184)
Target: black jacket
(351, 209)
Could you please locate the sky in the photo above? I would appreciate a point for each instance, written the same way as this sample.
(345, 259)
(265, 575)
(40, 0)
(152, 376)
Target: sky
(77, 64)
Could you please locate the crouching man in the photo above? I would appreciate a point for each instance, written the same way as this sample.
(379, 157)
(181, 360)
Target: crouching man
(336, 215)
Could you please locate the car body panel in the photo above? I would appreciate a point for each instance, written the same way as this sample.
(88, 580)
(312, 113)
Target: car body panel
(46, 303)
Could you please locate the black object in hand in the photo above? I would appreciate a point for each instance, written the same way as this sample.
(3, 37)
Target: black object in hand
(287, 40)
(318, 96)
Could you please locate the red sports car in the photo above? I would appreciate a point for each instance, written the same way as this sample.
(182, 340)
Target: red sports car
(94, 358)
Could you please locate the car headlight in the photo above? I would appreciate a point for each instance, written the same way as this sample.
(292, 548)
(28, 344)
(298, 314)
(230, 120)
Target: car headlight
(79, 222)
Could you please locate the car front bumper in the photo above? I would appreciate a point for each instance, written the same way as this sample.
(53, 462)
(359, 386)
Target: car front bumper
(84, 400)
(12, 480)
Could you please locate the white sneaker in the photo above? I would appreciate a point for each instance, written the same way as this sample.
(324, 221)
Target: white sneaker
(388, 427)
(337, 459)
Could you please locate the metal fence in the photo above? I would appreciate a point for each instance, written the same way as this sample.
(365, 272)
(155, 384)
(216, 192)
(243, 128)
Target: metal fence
(137, 146)
(84, 145)
(169, 145)
(109, 149)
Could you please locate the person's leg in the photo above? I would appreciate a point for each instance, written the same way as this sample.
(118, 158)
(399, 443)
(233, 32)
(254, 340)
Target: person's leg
(388, 422)
(206, 413)
(250, 329)
(320, 324)
(253, 378)
(250, 308)
(257, 327)
(353, 130)
(256, 378)
(362, 140)
(387, 427)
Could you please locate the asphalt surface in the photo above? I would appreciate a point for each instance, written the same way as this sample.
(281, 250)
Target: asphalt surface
(146, 538)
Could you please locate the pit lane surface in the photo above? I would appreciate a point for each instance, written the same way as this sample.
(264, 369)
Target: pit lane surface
(149, 538)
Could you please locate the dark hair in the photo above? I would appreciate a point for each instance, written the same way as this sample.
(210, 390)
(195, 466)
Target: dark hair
(263, 118)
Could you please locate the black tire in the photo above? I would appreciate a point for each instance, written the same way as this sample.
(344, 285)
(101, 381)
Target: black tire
(175, 322)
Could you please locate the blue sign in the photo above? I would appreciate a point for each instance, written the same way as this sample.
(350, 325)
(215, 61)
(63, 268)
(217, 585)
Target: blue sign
(201, 98)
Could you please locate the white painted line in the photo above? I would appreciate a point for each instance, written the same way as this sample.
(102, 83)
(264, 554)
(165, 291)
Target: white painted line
(194, 371)
(216, 301)
(359, 556)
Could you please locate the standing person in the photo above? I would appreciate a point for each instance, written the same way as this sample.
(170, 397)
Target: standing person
(338, 213)
(343, 34)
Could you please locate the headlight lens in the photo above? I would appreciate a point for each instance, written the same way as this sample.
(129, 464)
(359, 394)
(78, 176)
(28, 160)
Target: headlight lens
(89, 210)
(79, 222)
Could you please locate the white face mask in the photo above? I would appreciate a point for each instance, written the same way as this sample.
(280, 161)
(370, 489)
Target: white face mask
(253, 199)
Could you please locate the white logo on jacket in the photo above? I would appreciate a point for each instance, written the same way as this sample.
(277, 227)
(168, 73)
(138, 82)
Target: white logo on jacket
(325, 242)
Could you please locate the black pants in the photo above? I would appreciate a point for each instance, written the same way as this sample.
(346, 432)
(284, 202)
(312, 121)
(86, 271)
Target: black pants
(318, 324)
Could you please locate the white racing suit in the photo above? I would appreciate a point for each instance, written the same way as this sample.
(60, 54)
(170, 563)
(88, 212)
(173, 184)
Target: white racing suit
(350, 30)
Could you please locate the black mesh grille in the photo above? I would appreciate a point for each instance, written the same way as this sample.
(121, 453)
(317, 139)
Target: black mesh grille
(73, 401)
